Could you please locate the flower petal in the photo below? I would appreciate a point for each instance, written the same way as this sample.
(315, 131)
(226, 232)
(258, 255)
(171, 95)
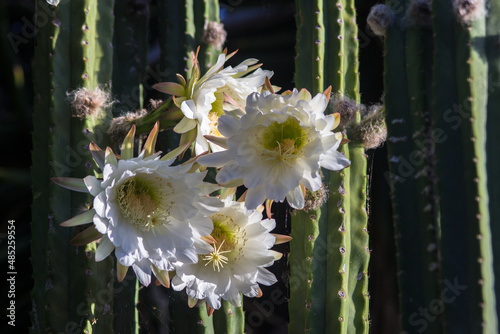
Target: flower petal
(255, 197)
(70, 183)
(185, 125)
(188, 108)
(83, 218)
(217, 159)
(100, 204)
(93, 185)
(104, 249)
(296, 198)
(170, 88)
(334, 161)
(142, 270)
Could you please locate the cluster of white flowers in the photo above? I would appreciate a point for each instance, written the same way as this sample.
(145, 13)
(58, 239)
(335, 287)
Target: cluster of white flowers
(159, 218)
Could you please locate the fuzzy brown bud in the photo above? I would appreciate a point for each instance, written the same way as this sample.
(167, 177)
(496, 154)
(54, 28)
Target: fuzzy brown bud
(372, 130)
(89, 102)
(468, 10)
(419, 13)
(346, 107)
(379, 19)
(314, 199)
(120, 126)
(214, 35)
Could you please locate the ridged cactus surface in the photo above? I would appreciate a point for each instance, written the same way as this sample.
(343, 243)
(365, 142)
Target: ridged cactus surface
(329, 252)
(437, 93)
(71, 290)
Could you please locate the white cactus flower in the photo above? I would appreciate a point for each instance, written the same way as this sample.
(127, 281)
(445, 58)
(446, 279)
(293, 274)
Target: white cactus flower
(201, 99)
(237, 261)
(150, 213)
(278, 146)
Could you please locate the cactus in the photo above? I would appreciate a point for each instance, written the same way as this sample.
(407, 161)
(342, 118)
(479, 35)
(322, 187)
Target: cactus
(441, 81)
(443, 223)
(417, 257)
(69, 285)
(492, 21)
(329, 252)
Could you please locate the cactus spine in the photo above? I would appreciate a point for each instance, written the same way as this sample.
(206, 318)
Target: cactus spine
(332, 240)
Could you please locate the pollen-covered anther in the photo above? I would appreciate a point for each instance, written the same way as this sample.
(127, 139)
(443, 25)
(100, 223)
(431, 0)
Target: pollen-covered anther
(216, 258)
(214, 124)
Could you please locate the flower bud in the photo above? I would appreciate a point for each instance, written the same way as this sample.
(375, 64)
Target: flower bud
(214, 35)
(89, 102)
(379, 19)
(372, 130)
(468, 10)
(419, 13)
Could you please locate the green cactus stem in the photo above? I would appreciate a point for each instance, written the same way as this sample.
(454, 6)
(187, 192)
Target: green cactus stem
(206, 11)
(412, 236)
(130, 43)
(177, 37)
(465, 230)
(329, 288)
(492, 135)
(69, 285)
(407, 104)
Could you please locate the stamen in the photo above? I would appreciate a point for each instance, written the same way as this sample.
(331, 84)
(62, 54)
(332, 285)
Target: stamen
(143, 203)
(283, 157)
(218, 260)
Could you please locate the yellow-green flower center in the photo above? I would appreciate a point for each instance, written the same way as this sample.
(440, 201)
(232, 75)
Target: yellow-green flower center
(282, 143)
(277, 133)
(216, 112)
(229, 240)
(140, 202)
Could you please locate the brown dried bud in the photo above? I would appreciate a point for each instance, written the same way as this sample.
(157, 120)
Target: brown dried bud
(214, 35)
(468, 10)
(346, 107)
(89, 102)
(379, 19)
(314, 199)
(419, 13)
(372, 130)
(120, 126)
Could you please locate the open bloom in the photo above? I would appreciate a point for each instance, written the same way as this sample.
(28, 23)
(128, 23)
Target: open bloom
(201, 100)
(238, 259)
(150, 213)
(278, 146)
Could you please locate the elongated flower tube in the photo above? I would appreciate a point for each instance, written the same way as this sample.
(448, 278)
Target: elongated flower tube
(201, 100)
(237, 264)
(278, 146)
(150, 213)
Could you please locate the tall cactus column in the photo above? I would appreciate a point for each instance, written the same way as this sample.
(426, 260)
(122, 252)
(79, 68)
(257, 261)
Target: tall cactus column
(406, 101)
(492, 135)
(329, 252)
(465, 224)
(71, 291)
(440, 195)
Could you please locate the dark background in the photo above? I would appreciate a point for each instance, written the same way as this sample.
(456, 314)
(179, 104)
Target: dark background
(259, 29)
